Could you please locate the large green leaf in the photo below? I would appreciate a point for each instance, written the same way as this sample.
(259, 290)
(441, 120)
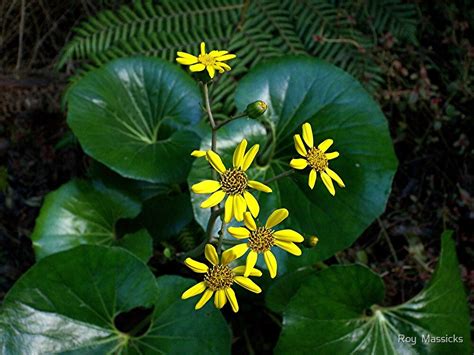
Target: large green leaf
(299, 90)
(336, 311)
(135, 115)
(80, 213)
(67, 303)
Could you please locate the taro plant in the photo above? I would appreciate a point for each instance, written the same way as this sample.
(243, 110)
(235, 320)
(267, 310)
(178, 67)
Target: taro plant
(253, 202)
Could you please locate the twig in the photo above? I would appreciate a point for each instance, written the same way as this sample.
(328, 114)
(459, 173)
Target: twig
(20, 37)
(387, 239)
(223, 123)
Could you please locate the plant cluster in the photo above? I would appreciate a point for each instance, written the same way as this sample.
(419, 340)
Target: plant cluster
(163, 174)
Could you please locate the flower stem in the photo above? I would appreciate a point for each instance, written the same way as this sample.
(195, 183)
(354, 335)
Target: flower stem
(279, 176)
(211, 118)
(223, 123)
(221, 236)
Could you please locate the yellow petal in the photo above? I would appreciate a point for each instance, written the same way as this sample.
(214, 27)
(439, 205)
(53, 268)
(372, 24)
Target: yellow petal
(239, 232)
(271, 262)
(211, 71)
(332, 155)
(312, 178)
(250, 156)
(240, 206)
(248, 284)
(220, 299)
(203, 48)
(259, 186)
(232, 299)
(252, 203)
(299, 164)
(325, 145)
(335, 177)
(221, 70)
(234, 253)
(250, 262)
(206, 187)
(216, 161)
(198, 153)
(226, 57)
(217, 53)
(239, 152)
(288, 235)
(205, 297)
(308, 134)
(194, 291)
(249, 221)
(328, 182)
(228, 209)
(186, 55)
(276, 217)
(214, 199)
(211, 254)
(299, 145)
(223, 65)
(289, 247)
(240, 270)
(197, 67)
(187, 61)
(196, 266)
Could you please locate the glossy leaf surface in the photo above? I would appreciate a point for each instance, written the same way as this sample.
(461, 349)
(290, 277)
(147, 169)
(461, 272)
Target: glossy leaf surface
(67, 302)
(299, 90)
(135, 115)
(80, 213)
(336, 312)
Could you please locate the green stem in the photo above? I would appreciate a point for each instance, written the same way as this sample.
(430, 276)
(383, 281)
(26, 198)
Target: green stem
(223, 123)
(279, 176)
(221, 236)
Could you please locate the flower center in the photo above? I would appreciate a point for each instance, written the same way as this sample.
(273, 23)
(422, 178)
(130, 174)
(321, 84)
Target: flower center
(317, 159)
(219, 277)
(261, 240)
(234, 181)
(206, 59)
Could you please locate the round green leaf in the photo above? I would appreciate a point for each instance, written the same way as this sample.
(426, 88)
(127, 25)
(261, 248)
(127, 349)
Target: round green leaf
(299, 90)
(80, 213)
(68, 301)
(336, 311)
(135, 115)
(165, 216)
(138, 243)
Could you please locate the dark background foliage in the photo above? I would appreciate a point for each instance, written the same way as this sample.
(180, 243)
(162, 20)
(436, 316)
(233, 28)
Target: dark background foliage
(422, 76)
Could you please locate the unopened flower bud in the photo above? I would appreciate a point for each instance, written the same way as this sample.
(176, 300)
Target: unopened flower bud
(311, 241)
(256, 109)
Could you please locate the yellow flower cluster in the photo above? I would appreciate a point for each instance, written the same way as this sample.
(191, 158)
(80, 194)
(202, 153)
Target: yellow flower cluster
(234, 186)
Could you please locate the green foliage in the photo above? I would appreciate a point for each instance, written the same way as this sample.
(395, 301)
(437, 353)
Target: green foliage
(299, 90)
(338, 310)
(117, 123)
(343, 33)
(71, 302)
(80, 213)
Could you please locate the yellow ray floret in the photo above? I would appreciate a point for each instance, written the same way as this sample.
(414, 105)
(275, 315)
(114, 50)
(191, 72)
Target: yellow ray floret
(211, 61)
(233, 184)
(316, 159)
(218, 279)
(260, 240)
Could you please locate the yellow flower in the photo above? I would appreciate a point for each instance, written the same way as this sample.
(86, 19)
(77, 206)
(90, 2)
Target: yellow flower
(316, 158)
(232, 183)
(218, 279)
(262, 239)
(211, 61)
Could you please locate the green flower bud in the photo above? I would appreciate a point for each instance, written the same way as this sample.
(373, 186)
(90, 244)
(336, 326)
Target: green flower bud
(311, 241)
(256, 109)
